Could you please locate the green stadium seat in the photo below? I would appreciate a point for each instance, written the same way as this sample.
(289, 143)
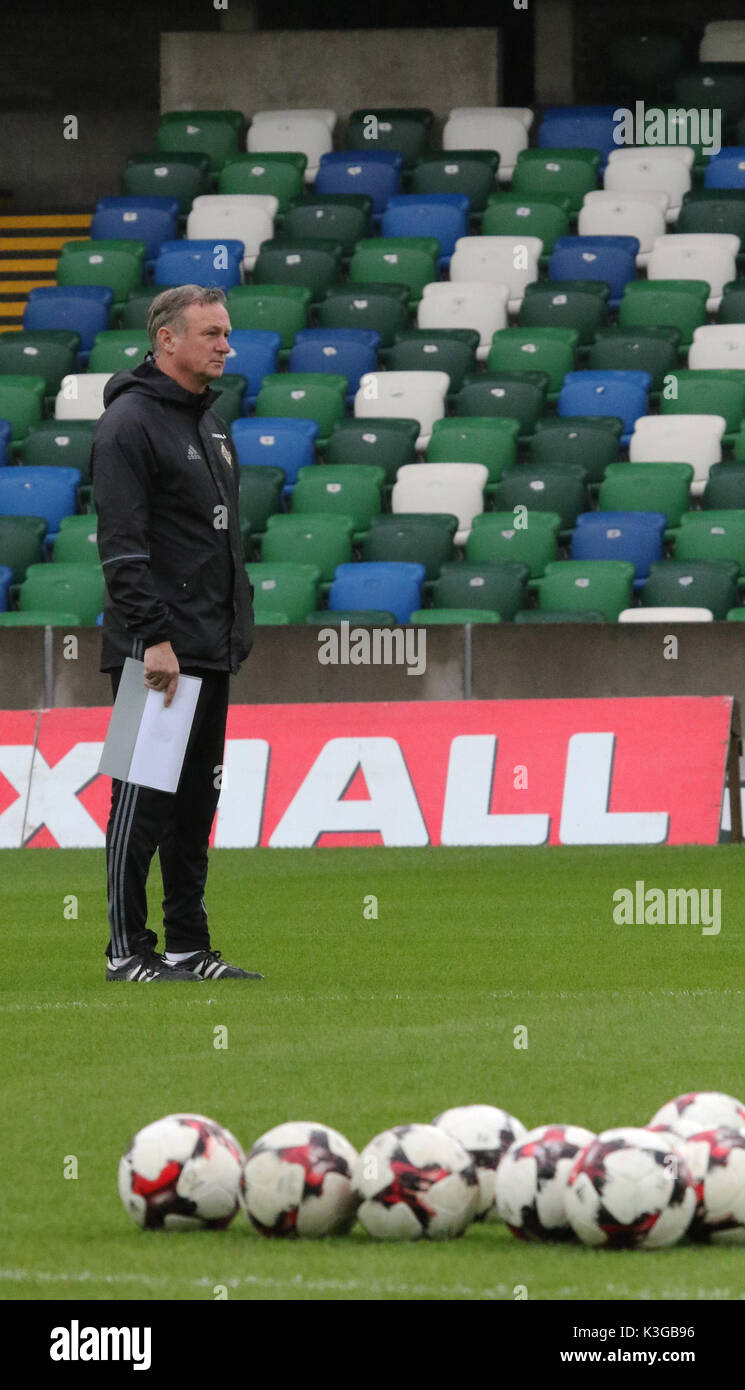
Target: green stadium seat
(413, 537)
(231, 388)
(653, 350)
(387, 443)
(21, 543)
(519, 395)
(314, 264)
(491, 440)
(285, 589)
(259, 497)
(451, 350)
(356, 617)
(495, 537)
(647, 487)
(402, 128)
(60, 443)
(708, 584)
(172, 174)
(473, 172)
(441, 617)
(725, 486)
(339, 217)
(578, 304)
(51, 354)
(677, 304)
(501, 588)
(315, 396)
(732, 307)
(117, 263)
(511, 214)
(116, 350)
(71, 588)
(712, 535)
(708, 391)
(280, 175)
(353, 491)
(559, 615)
(383, 308)
(570, 173)
(603, 586)
(556, 488)
(713, 85)
(735, 615)
(307, 539)
(714, 210)
(21, 403)
(592, 441)
(43, 617)
(283, 309)
(76, 542)
(408, 261)
(551, 350)
(214, 133)
(131, 316)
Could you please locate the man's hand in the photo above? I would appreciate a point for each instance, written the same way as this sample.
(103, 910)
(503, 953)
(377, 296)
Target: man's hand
(162, 669)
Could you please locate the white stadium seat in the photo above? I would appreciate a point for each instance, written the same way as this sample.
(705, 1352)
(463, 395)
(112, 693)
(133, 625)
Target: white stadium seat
(718, 345)
(80, 396)
(457, 488)
(500, 260)
(307, 131)
(466, 304)
(501, 128)
(694, 439)
(660, 168)
(640, 214)
(723, 42)
(666, 615)
(709, 256)
(247, 217)
(404, 395)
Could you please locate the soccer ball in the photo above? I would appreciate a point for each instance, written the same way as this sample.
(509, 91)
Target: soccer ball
(700, 1110)
(532, 1178)
(716, 1159)
(630, 1189)
(297, 1181)
(414, 1181)
(486, 1132)
(180, 1173)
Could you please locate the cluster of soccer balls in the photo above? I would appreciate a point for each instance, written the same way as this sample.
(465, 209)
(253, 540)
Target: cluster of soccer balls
(624, 1188)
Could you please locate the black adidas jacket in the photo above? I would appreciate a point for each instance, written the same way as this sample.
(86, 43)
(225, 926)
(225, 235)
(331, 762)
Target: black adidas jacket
(165, 487)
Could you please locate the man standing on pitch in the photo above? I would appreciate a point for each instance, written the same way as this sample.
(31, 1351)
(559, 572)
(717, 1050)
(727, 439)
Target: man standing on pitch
(165, 487)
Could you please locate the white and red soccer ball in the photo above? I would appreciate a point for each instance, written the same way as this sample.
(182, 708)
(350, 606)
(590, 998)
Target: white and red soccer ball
(531, 1181)
(700, 1110)
(630, 1189)
(182, 1173)
(486, 1132)
(416, 1181)
(716, 1160)
(298, 1181)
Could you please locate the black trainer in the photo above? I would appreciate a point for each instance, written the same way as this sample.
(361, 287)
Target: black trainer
(209, 965)
(148, 968)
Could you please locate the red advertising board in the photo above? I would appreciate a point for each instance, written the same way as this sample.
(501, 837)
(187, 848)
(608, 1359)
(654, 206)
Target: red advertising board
(480, 772)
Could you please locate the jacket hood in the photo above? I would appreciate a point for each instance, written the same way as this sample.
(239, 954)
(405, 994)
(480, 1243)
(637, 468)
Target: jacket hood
(149, 380)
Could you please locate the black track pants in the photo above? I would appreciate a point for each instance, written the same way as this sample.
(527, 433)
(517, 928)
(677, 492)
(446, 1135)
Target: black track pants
(177, 825)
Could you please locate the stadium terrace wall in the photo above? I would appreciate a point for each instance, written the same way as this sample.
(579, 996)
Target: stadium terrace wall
(341, 69)
(506, 662)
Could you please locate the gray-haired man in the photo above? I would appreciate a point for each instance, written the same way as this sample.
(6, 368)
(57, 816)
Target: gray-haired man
(165, 488)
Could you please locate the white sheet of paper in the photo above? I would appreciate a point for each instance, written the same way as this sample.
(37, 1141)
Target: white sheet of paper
(163, 735)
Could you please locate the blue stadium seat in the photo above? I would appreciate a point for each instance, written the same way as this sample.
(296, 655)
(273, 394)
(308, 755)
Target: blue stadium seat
(254, 353)
(6, 574)
(635, 536)
(38, 491)
(365, 584)
(349, 351)
(441, 215)
(579, 127)
(624, 395)
(193, 262)
(6, 434)
(374, 172)
(726, 169)
(151, 220)
(276, 440)
(83, 308)
(608, 258)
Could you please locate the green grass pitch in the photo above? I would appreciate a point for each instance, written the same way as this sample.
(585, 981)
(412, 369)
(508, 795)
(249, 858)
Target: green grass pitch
(360, 1024)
